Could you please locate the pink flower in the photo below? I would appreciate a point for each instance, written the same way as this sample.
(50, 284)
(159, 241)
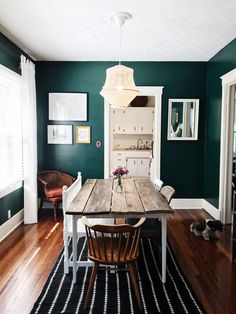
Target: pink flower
(120, 171)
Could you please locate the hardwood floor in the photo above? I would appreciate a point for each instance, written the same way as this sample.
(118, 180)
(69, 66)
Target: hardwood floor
(29, 253)
(26, 258)
(206, 264)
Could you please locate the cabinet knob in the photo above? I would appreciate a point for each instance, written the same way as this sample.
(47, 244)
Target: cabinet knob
(123, 130)
(135, 128)
(142, 128)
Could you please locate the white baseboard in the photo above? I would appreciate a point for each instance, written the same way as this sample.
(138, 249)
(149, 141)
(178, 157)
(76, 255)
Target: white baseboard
(11, 224)
(195, 203)
(212, 210)
(186, 203)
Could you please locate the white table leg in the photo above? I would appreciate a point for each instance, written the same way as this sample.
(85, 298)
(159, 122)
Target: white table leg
(163, 247)
(74, 246)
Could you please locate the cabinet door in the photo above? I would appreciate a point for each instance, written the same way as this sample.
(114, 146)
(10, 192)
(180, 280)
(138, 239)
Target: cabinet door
(116, 120)
(130, 121)
(143, 167)
(132, 165)
(145, 120)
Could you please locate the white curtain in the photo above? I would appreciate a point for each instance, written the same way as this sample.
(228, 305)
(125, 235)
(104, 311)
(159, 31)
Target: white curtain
(29, 142)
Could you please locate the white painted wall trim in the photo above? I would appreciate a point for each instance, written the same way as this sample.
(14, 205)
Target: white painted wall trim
(195, 203)
(212, 210)
(186, 203)
(225, 180)
(11, 224)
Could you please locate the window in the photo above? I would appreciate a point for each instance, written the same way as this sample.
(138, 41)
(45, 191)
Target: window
(11, 166)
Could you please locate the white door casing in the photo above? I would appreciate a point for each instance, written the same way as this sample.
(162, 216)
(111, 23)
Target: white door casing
(225, 183)
(155, 91)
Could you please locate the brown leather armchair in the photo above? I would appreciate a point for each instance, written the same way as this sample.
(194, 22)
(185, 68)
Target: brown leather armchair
(50, 184)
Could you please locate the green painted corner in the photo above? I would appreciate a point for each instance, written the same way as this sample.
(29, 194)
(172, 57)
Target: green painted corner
(223, 62)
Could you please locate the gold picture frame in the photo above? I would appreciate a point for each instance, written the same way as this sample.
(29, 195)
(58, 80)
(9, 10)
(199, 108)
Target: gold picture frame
(82, 134)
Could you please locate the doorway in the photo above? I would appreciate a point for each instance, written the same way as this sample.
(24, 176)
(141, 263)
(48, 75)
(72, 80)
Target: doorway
(156, 92)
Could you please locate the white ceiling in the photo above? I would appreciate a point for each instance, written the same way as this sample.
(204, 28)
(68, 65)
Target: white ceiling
(160, 30)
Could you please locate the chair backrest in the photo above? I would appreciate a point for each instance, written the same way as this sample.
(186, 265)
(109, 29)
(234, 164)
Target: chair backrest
(53, 178)
(113, 244)
(158, 184)
(168, 192)
(68, 195)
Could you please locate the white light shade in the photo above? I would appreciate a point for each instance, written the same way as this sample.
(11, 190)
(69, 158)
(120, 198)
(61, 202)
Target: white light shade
(119, 88)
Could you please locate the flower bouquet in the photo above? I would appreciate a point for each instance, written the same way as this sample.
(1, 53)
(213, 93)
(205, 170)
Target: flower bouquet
(118, 172)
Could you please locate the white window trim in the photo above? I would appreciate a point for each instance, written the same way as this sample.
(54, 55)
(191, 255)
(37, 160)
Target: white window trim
(18, 183)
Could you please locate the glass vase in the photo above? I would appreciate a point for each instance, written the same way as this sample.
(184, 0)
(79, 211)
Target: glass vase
(119, 185)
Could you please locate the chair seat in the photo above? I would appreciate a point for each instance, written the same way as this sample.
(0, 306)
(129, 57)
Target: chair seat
(54, 192)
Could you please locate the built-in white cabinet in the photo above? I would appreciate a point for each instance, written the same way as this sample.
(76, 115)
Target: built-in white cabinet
(137, 162)
(145, 120)
(138, 167)
(132, 120)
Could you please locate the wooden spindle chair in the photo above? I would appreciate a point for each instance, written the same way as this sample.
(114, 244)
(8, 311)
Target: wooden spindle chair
(113, 245)
(168, 192)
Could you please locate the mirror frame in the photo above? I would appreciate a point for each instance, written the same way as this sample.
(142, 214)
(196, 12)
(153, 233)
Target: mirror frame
(195, 135)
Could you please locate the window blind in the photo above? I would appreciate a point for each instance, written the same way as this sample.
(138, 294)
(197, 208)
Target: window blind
(11, 132)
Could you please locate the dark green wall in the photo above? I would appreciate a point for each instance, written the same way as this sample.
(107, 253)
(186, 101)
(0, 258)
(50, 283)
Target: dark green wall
(182, 163)
(223, 62)
(10, 58)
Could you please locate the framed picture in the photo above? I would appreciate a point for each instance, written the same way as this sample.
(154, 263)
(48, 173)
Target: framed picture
(59, 134)
(67, 106)
(82, 135)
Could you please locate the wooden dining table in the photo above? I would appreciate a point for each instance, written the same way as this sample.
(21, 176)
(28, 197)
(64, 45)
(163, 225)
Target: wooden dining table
(98, 198)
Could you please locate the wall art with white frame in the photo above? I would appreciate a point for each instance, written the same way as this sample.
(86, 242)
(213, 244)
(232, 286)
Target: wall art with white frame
(67, 106)
(59, 134)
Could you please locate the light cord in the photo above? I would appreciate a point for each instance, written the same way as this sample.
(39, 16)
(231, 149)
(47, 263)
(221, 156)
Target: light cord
(120, 48)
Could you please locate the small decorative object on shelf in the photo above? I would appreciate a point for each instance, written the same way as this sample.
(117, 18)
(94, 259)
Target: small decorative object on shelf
(118, 172)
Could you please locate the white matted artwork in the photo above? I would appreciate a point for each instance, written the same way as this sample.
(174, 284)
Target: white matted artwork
(59, 134)
(67, 106)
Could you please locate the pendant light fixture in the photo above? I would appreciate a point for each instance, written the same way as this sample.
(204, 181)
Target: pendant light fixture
(119, 88)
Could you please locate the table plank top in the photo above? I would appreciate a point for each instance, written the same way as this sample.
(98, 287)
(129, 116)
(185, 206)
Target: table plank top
(99, 198)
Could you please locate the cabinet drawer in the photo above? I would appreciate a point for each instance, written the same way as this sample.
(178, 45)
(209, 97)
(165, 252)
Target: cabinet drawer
(118, 155)
(118, 159)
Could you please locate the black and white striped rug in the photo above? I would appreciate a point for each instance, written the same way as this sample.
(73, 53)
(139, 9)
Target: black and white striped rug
(113, 292)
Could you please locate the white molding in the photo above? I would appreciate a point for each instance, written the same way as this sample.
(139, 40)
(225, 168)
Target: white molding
(11, 224)
(19, 44)
(186, 203)
(229, 78)
(225, 178)
(212, 210)
(106, 140)
(195, 203)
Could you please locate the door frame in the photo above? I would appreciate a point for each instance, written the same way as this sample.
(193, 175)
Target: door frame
(155, 91)
(226, 147)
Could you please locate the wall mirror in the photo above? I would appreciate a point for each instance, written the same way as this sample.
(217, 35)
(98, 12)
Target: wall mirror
(183, 119)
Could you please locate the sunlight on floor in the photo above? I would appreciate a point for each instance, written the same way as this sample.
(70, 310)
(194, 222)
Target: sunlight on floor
(52, 230)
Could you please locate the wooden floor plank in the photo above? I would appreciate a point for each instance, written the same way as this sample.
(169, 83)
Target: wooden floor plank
(29, 253)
